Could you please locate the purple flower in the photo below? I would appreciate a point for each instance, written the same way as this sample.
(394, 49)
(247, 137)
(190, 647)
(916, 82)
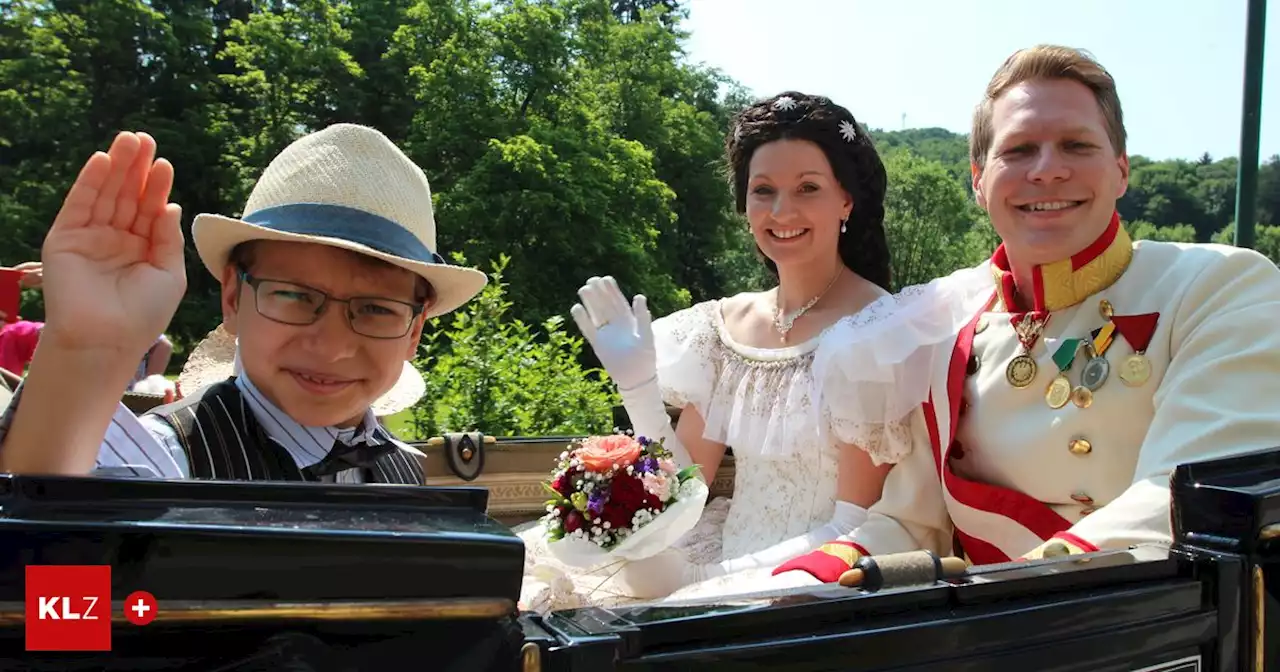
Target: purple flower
(644, 441)
(596, 501)
(645, 465)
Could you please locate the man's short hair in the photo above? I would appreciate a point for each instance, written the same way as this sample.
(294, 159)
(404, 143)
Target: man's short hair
(1048, 61)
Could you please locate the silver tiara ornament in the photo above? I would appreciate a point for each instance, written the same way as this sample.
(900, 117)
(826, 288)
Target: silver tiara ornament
(848, 131)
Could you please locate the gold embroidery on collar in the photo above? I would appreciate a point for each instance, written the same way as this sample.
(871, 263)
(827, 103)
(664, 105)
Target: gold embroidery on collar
(1064, 287)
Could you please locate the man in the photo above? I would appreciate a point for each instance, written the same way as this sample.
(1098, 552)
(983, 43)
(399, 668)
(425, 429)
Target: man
(1057, 413)
(326, 283)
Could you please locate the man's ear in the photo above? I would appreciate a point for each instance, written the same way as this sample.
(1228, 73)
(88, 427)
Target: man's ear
(1124, 175)
(975, 173)
(230, 298)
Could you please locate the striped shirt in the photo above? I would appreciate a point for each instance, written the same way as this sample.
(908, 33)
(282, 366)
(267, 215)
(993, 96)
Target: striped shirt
(148, 446)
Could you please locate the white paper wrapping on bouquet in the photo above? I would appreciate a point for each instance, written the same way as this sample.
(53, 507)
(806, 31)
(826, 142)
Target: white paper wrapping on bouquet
(658, 535)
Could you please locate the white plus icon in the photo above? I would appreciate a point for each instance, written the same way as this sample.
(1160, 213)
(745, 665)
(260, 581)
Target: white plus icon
(141, 608)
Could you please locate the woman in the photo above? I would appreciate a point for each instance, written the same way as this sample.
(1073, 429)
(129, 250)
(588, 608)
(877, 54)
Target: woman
(812, 187)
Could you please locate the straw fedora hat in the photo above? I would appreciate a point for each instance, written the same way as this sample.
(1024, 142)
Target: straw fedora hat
(347, 186)
(214, 360)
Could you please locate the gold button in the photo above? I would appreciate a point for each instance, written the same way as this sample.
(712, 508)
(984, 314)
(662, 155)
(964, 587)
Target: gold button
(1082, 498)
(1082, 396)
(1106, 309)
(1080, 447)
(982, 325)
(466, 454)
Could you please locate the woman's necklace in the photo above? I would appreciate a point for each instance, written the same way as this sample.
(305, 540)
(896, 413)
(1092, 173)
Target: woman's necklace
(784, 323)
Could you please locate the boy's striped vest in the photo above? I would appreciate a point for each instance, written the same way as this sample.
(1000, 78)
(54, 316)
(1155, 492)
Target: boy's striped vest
(223, 441)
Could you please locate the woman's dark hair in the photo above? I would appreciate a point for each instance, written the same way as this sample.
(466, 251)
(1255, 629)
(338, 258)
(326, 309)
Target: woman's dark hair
(854, 160)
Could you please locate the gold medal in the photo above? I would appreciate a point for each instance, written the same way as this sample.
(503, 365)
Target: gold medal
(1021, 371)
(1136, 370)
(1059, 392)
(1082, 396)
(1095, 373)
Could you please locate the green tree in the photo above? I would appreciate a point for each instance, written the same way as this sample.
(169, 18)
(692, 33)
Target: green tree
(488, 371)
(932, 225)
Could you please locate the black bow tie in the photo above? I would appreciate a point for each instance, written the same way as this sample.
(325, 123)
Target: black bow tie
(343, 457)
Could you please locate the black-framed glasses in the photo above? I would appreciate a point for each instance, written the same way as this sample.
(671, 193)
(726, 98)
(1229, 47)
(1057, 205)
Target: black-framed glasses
(300, 305)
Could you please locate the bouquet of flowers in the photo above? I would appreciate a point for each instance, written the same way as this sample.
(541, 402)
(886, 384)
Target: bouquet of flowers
(619, 496)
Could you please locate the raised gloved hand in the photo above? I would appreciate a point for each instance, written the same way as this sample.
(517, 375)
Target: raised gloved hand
(622, 336)
(620, 333)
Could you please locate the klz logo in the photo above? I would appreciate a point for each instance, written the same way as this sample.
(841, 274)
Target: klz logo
(68, 608)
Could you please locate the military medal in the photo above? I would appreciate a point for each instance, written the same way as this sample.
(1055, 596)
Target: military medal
(1135, 371)
(1059, 391)
(1098, 368)
(1022, 369)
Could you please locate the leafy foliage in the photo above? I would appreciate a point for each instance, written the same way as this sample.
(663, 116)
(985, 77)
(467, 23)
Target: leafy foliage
(488, 371)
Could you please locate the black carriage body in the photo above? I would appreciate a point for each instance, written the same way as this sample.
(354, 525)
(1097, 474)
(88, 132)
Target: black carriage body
(1211, 603)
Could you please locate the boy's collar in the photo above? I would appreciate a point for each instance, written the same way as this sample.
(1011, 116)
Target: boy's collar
(284, 429)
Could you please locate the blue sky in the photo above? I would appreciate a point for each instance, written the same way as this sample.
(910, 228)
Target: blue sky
(1179, 64)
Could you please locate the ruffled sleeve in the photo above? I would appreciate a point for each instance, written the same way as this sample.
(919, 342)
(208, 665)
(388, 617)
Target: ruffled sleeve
(872, 370)
(684, 341)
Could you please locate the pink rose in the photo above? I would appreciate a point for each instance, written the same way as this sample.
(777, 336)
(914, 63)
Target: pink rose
(657, 485)
(600, 453)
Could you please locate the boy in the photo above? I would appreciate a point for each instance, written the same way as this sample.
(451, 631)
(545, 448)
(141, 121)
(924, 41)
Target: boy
(326, 283)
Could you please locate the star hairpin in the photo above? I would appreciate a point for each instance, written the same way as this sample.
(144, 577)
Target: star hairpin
(848, 131)
(785, 103)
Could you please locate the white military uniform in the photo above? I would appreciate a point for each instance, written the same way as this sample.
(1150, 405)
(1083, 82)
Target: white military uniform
(1003, 474)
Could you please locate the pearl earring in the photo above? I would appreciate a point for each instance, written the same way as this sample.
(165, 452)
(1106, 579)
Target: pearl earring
(844, 227)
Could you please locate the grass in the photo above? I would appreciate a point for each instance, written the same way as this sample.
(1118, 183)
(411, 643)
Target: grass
(401, 424)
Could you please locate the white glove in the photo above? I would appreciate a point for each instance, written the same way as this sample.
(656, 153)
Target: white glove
(847, 518)
(662, 574)
(620, 334)
(622, 337)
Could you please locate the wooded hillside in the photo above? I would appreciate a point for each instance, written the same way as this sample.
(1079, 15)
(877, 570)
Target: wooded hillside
(572, 135)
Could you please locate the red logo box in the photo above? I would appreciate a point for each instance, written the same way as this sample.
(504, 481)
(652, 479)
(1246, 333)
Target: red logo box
(68, 608)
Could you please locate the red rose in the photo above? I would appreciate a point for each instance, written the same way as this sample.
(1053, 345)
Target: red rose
(563, 484)
(618, 517)
(626, 496)
(573, 520)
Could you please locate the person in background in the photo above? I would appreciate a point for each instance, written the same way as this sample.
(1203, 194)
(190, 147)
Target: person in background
(18, 341)
(156, 361)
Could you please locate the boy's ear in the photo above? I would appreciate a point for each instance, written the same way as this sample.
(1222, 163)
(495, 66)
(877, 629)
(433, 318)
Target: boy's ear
(415, 337)
(230, 298)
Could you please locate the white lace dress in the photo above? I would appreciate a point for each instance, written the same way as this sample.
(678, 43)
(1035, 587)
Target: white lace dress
(761, 403)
